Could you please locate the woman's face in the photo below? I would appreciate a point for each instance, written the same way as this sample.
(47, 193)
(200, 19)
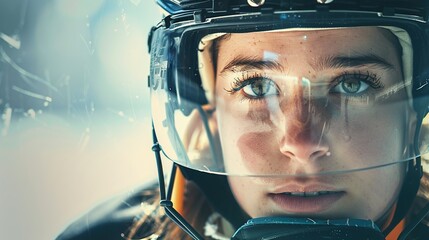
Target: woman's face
(302, 103)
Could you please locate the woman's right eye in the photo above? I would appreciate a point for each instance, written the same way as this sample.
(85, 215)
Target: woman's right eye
(254, 86)
(259, 88)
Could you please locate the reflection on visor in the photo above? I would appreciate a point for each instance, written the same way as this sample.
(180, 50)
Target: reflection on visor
(296, 102)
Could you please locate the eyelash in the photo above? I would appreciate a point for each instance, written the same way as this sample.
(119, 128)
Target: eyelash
(246, 79)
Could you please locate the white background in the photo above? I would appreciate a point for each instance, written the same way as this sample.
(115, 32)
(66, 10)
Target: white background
(58, 162)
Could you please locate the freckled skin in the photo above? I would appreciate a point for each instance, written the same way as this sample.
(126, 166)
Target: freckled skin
(292, 133)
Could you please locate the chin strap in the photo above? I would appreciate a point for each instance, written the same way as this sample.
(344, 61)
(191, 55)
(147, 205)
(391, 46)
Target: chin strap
(411, 185)
(407, 195)
(413, 224)
(280, 228)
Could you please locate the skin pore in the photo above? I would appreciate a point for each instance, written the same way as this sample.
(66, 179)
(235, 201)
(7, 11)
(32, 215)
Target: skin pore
(295, 104)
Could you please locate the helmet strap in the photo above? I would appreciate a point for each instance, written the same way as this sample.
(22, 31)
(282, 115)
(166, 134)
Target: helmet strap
(411, 183)
(165, 198)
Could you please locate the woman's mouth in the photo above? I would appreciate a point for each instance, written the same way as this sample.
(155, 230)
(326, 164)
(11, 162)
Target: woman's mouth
(306, 201)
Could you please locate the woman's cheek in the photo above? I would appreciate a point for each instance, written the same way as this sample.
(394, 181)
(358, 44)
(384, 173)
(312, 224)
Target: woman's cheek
(248, 195)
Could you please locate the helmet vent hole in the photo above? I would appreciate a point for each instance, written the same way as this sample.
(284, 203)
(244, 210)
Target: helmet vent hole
(324, 1)
(255, 3)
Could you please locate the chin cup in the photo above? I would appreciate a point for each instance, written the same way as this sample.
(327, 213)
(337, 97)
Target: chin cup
(284, 228)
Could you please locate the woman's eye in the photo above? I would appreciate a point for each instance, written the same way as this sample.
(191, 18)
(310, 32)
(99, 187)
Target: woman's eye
(350, 86)
(260, 88)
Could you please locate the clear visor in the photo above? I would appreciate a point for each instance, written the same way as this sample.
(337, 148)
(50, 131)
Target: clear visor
(295, 102)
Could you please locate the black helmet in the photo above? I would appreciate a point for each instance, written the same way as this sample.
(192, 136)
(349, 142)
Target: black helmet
(295, 97)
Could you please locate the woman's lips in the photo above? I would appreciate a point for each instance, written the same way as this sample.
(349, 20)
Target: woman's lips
(309, 199)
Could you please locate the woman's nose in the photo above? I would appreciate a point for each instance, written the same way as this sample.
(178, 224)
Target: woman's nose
(303, 150)
(303, 137)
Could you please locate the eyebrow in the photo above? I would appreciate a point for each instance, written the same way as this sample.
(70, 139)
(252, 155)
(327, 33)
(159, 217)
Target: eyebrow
(351, 61)
(243, 63)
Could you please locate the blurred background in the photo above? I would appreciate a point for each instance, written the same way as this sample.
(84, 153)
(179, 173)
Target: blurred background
(75, 123)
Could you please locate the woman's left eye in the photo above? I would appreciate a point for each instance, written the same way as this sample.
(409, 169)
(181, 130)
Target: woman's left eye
(350, 86)
(260, 88)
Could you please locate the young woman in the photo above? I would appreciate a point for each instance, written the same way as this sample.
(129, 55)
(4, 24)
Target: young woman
(289, 120)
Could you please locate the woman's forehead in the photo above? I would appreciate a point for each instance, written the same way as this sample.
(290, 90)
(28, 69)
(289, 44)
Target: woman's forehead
(341, 39)
(311, 46)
